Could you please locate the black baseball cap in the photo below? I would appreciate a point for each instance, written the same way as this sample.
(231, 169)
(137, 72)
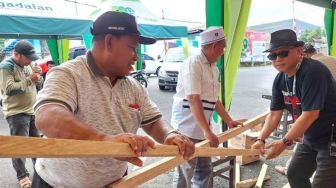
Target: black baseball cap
(118, 23)
(27, 49)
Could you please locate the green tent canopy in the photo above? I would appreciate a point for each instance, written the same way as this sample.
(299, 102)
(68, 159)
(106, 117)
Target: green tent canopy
(18, 21)
(163, 31)
(320, 3)
(42, 27)
(149, 24)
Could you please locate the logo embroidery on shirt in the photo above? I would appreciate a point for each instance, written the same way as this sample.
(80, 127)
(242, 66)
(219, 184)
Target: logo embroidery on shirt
(134, 106)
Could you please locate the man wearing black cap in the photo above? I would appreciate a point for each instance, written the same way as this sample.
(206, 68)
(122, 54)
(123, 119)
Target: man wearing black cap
(19, 79)
(305, 88)
(93, 98)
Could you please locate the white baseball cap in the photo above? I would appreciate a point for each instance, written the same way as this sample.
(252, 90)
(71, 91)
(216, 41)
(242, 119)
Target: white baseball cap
(212, 35)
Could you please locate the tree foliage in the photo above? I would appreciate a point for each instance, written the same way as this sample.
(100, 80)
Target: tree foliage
(308, 35)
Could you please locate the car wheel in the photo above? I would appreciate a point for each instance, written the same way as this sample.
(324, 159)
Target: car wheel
(157, 71)
(162, 87)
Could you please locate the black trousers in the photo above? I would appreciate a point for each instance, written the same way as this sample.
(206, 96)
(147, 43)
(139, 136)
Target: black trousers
(38, 182)
(22, 125)
(310, 157)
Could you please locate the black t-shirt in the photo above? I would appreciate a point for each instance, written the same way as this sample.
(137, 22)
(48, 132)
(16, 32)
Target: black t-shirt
(315, 89)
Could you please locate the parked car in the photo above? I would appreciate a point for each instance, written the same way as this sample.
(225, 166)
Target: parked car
(171, 65)
(152, 65)
(76, 51)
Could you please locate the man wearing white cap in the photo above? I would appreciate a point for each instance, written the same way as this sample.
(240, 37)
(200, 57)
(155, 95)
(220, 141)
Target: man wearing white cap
(195, 100)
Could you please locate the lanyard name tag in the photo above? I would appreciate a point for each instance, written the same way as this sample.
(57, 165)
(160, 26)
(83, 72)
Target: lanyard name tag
(293, 99)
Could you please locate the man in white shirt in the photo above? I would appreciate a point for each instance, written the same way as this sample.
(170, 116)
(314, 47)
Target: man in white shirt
(194, 103)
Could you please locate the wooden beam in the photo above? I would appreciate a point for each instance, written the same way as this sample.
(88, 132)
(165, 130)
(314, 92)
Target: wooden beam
(250, 182)
(237, 173)
(149, 172)
(31, 147)
(287, 152)
(261, 176)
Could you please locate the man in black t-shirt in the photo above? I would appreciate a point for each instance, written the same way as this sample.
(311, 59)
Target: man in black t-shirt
(305, 88)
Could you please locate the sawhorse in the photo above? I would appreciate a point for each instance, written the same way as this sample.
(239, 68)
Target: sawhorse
(282, 128)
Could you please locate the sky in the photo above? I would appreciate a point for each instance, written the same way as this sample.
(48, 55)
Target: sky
(262, 11)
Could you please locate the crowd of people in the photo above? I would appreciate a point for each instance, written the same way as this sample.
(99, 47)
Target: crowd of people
(93, 98)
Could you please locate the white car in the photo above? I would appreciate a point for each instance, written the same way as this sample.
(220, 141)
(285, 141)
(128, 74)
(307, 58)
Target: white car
(171, 65)
(152, 65)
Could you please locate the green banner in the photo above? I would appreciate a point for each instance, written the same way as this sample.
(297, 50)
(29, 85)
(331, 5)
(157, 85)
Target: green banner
(233, 15)
(59, 50)
(234, 26)
(52, 45)
(63, 49)
(87, 38)
(138, 64)
(333, 45)
(214, 17)
(328, 26)
(185, 47)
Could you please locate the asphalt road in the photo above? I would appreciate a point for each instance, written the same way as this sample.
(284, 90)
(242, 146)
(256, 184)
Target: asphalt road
(250, 84)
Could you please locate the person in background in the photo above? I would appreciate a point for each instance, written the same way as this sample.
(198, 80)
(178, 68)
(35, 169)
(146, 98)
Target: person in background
(19, 79)
(50, 64)
(195, 101)
(305, 88)
(93, 98)
(310, 52)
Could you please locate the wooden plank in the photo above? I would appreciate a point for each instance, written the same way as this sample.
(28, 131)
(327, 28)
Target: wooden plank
(287, 152)
(237, 173)
(261, 177)
(56, 148)
(149, 172)
(250, 182)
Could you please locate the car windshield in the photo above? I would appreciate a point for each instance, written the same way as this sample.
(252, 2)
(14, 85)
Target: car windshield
(175, 58)
(176, 55)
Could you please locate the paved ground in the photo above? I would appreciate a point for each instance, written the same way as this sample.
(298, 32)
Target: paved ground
(251, 83)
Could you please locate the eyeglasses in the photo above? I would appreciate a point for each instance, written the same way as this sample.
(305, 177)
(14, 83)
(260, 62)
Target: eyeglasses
(282, 54)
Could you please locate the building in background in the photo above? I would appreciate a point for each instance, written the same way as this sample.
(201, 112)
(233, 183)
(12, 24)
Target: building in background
(284, 24)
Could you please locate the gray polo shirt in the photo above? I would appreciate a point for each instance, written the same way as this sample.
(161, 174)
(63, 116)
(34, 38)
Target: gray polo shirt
(79, 86)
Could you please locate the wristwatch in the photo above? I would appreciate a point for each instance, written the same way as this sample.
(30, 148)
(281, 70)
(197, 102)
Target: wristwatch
(286, 141)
